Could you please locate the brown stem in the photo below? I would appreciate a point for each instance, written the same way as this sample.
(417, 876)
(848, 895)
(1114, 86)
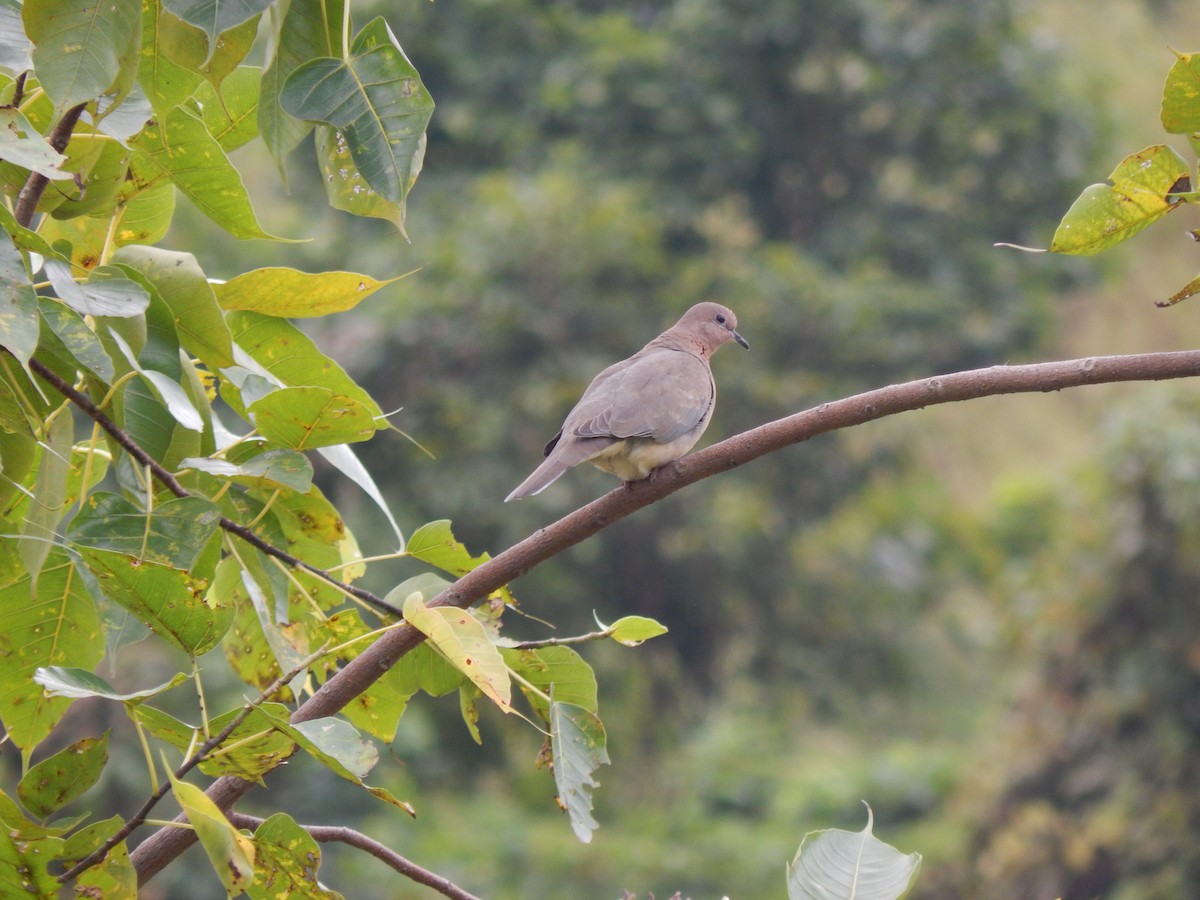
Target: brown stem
(336, 833)
(359, 674)
(171, 483)
(35, 184)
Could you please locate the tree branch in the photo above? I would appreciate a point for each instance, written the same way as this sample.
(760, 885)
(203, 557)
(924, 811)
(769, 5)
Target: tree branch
(35, 185)
(335, 833)
(359, 674)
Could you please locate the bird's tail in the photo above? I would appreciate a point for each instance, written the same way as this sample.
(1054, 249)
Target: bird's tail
(541, 478)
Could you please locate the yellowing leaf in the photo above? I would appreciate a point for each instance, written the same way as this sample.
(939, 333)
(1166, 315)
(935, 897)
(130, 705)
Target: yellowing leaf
(231, 853)
(461, 639)
(295, 294)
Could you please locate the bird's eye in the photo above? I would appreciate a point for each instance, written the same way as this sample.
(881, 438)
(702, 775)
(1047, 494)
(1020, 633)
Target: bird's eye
(720, 319)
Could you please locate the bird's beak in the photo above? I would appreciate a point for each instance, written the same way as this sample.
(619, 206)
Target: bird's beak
(741, 340)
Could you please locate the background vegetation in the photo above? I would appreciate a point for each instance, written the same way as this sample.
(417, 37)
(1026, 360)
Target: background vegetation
(979, 619)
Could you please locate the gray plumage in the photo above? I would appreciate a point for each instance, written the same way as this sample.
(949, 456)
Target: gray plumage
(645, 411)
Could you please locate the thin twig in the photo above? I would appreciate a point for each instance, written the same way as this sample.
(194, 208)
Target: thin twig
(561, 642)
(161, 848)
(171, 483)
(139, 817)
(336, 833)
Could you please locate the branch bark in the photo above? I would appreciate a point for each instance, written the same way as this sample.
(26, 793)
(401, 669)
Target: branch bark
(165, 845)
(340, 834)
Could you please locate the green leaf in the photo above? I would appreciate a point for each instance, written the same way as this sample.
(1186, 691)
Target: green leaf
(179, 147)
(634, 630)
(21, 145)
(78, 340)
(1181, 95)
(40, 526)
(275, 468)
(166, 82)
(15, 47)
(836, 863)
(435, 544)
(186, 45)
(375, 99)
(114, 876)
(60, 681)
(57, 625)
(252, 749)
(181, 283)
(110, 294)
(59, 779)
(26, 852)
(1135, 197)
(461, 639)
(304, 418)
(291, 359)
(214, 17)
(557, 670)
(232, 116)
(345, 187)
(315, 532)
(175, 533)
(18, 305)
(101, 163)
(304, 31)
(256, 747)
(286, 863)
(231, 854)
(578, 743)
(336, 744)
(82, 48)
(294, 294)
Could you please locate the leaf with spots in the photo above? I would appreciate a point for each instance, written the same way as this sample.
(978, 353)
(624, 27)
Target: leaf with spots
(1135, 197)
(554, 670)
(255, 746)
(305, 418)
(175, 533)
(55, 623)
(295, 294)
(286, 863)
(461, 639)
(578, 743)
(1181, 95)
(375, 99)
(114, 875)
(231, 853)
(59, 779)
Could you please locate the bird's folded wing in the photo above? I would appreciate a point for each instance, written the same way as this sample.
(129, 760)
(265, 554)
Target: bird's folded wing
(663, 395)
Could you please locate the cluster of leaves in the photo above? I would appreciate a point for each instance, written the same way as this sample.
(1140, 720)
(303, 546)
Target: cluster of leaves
(1144, 186)
(130, 510)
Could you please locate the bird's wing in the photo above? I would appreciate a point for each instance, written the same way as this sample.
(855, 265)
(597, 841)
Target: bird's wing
(661, 394)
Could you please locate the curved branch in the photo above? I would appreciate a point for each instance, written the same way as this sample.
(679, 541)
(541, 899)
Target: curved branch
(363, 671)
(340, 834)
(36, 184)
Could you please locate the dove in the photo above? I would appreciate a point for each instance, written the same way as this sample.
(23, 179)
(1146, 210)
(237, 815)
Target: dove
(646, 411)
